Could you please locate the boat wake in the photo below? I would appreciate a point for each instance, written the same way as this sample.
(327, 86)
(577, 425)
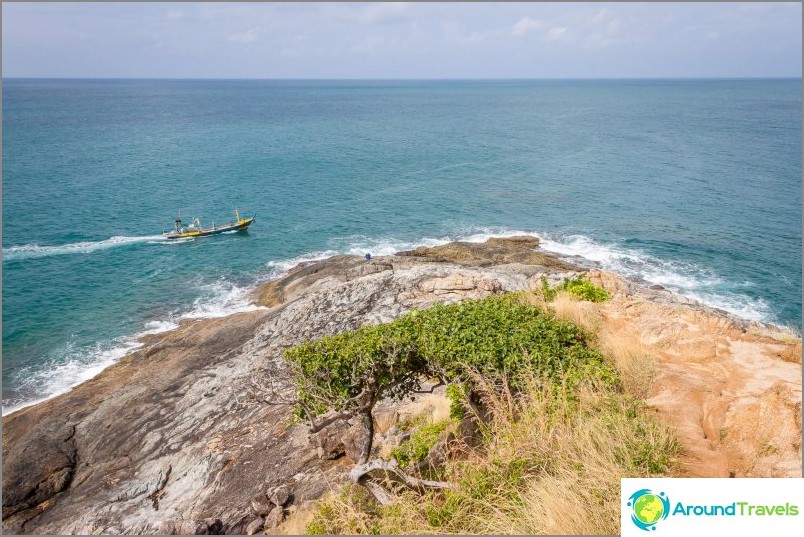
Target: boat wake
(31, 251)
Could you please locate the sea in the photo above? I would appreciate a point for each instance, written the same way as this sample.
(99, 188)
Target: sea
(691, 184)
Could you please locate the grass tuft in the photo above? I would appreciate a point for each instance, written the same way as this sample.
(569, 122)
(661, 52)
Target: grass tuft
(635, 365)
(545, 450)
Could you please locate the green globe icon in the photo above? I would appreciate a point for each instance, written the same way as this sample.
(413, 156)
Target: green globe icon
(648, 508)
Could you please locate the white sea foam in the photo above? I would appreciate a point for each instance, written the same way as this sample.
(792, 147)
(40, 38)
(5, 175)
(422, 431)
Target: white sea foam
(76, 365)
(29, 251)
(361, 245)
(688, 279)
(222, 298)
(279, 267)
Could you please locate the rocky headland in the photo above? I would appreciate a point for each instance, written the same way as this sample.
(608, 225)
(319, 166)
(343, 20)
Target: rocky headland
(192, 434)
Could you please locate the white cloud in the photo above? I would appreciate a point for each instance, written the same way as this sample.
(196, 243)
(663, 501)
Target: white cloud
(556, 33)
(712, 35)
(175, 14)
(605, 28)
(249, 36)
(370, 44)
(526, 25)
(454, 33)
(380, 13)
(290, 52)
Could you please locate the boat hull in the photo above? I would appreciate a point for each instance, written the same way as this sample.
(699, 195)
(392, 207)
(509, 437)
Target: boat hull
(242, 225)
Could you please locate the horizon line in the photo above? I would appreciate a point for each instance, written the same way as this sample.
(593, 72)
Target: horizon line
(749, 77)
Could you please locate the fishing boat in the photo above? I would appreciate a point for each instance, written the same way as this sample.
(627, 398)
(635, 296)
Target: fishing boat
(194, 229)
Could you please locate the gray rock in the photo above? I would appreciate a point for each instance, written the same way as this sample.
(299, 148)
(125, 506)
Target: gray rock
(280, 495)
(352, 440)
(214, 526)
(255, 526)
(192, 527)
(274, 518)
(165, 527)
(437, 455)
(328, 442)
(261, 506)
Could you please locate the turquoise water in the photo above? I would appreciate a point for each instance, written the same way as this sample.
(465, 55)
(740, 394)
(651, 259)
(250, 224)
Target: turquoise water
(692, 184)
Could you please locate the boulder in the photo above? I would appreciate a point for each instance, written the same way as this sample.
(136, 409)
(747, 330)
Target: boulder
(274, 518)
(328, 442)
(520, 241)
(261, 506)
(280, 495)
(437, 455)
(352, 441)
(255, 526)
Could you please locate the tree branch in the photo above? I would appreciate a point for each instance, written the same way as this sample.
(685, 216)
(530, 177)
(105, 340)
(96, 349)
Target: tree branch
(357, 473)
(344, 414)
(432, 388)
(382, 496)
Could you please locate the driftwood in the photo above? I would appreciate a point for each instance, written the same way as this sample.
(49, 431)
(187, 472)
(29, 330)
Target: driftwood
(392, 467)
(382, 496)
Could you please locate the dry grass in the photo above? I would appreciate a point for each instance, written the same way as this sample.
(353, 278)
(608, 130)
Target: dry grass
(533, 298)
(296, 522)
(430, 407)
(544, 450)
(792, 352)
(580, 312)
(633, 361)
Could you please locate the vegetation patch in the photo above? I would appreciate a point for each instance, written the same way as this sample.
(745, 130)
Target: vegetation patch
(579, 287)
(489, 336)
(558, 432)
(547, 455)
(415, 449)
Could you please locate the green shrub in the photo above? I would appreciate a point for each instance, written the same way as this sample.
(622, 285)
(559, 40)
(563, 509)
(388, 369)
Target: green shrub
(578, 286)
(420, 443)
(456, 393)
(584, 289)
(353, 370)
(494, 335)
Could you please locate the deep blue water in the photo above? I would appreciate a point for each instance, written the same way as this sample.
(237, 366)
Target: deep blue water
(695, 184)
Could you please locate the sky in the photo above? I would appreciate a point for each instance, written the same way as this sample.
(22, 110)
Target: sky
(401, 40)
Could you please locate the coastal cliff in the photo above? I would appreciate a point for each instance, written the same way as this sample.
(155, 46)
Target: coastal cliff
(180, 437)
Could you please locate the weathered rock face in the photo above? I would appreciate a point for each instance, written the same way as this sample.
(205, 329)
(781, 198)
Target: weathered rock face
(495, 251)
(176, 438)
(730, 388)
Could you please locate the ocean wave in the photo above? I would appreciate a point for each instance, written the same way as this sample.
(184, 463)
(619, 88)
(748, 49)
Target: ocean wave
(222, 297)
(30, 251)
(74, 365)
(689, 279)
(280, 267)
(361, 245)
